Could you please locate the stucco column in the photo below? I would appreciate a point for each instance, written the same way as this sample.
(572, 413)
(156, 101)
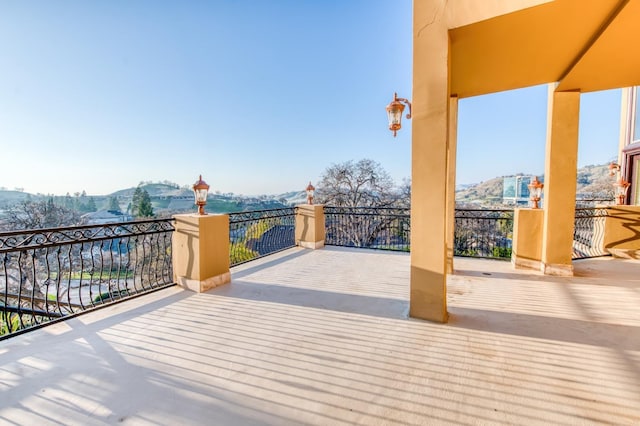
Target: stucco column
(451, 180)
(310, 227)
(200, 251)
(429, 160)
(560, 181)
(527, 238)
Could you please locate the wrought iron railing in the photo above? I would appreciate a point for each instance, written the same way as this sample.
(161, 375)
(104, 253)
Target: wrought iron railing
(588, 233)
(51, 273)
(483, 233)
(258, 233)
(368, 227)
(478, 233)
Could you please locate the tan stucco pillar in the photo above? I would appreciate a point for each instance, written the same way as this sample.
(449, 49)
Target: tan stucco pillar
(560, 181)
(527, 238)
(310, 227)
(200, 251)
(621, 231)
(451, 180)
(429, 160)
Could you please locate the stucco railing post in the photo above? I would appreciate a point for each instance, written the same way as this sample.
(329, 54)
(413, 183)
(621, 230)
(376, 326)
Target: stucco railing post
(310, 225)
(527, 238)
(200, 251)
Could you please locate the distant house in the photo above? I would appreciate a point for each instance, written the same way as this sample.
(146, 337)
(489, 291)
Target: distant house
(102, 217)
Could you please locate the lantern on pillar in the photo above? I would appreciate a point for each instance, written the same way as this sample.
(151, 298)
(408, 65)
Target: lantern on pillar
(200, 191)
(621, 187)
(394, 113)
(310, 191)
(535, 191)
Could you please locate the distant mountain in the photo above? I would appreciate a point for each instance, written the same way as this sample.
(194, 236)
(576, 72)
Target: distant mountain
(593, 183)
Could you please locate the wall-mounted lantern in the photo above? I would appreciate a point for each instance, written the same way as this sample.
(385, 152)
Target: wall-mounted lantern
(535, 191)
(394, 113)
(613, 168)
(200, 191)
(310, 191)
(620, 188)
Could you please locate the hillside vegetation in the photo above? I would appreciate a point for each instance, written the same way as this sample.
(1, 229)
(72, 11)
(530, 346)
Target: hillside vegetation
(593, 182)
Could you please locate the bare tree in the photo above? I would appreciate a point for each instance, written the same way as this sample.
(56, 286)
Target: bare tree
(367, 208)
(362, 184)
(39, 214)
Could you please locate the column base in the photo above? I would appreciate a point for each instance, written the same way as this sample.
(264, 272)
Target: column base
(311, 245)
(522, 263)
(557, 269)
(204, 285)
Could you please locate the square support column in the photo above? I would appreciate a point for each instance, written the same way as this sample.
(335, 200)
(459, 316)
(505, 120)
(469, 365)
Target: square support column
(527, 238)
(430, 162)
(560, 177)
(201, 251)
(310, 226)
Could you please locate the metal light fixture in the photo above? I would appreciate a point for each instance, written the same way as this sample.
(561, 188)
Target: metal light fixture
(200, 191)
(535, 191)
(310, 191)
(394, 112)
(621, 187)
(614, 168)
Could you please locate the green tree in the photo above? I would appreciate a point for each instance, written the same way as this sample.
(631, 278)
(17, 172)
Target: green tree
(91, 205)
(141, 203)
(113, 204)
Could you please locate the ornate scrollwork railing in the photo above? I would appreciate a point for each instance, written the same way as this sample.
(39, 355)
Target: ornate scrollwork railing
(383, 228)
(588, 233)
(255, 234)
(483, 233)
(52, 273)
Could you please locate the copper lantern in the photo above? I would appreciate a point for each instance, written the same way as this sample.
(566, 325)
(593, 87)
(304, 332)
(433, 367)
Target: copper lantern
(394, 113)
(535, 191)
(310, 191)
(200, 191)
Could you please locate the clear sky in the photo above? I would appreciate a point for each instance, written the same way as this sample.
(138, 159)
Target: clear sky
(259, 96)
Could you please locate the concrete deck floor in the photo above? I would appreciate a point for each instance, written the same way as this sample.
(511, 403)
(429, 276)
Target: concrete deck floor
(321, 337)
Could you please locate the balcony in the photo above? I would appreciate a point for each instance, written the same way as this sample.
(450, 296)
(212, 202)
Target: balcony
(313, 336)
(322, 337)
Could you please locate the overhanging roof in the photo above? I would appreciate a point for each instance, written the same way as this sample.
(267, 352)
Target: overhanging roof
(583, 45)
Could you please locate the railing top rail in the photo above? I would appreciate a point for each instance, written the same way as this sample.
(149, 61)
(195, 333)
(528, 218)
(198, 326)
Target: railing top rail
(261, 214)
(37, 238)
(80, 227)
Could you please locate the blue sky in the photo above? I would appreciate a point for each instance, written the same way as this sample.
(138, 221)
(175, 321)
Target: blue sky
(257, 96)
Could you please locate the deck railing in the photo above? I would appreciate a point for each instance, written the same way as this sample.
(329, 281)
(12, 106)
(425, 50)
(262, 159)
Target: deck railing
(483, 233)
(368, 227)
(478, 233)
(258, 233)
(588, 233)
(51, 273)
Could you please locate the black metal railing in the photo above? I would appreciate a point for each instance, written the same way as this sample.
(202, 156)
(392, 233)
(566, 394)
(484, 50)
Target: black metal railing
(368, 227)
(588, 233)
(51, 273)
(258, 233)
(483, 233)
(478, 233)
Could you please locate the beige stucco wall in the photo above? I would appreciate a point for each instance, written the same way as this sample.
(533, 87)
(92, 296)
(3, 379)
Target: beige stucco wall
(201, 251)
(622, 231)
(310, 226)
(433, 144)
(527, 238)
